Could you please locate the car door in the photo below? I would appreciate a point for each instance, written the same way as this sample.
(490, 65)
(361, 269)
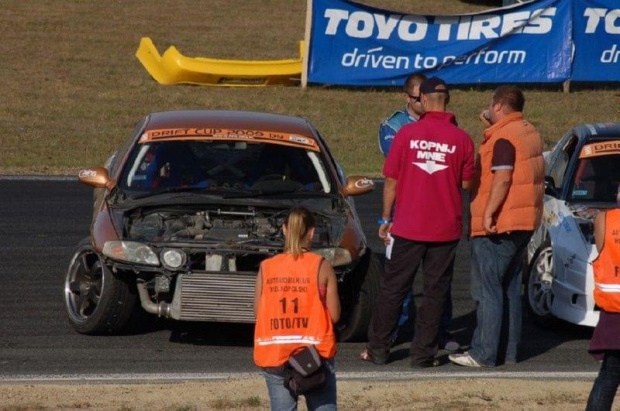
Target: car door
(570, 249)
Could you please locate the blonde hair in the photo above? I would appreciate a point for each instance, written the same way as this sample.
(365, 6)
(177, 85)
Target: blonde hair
(299, 221)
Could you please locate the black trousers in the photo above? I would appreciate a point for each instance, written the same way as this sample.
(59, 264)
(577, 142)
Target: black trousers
(437, 260)
(606, 384)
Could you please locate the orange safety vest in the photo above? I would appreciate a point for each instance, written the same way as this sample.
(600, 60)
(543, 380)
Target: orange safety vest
(523, 206)
(291, 314)
(607, 266)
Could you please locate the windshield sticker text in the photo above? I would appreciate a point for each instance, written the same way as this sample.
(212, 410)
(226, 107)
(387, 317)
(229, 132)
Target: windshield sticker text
(257, 136)
(600, 149)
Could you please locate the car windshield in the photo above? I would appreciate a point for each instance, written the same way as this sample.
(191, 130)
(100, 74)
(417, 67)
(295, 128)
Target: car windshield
(194, 165)
(597, 178)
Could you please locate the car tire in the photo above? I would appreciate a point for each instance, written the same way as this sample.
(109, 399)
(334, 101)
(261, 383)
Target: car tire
(538, 285)
(355, 326)
(97, 300)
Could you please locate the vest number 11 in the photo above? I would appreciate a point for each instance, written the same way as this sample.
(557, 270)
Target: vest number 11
(295, 302)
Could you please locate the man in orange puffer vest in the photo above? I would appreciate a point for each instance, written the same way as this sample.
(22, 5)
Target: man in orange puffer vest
(506, 208)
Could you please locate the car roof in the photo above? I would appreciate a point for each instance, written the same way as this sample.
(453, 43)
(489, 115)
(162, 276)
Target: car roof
(597, 130)
(229, 119)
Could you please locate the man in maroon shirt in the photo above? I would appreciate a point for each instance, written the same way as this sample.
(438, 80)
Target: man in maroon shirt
(428, 164)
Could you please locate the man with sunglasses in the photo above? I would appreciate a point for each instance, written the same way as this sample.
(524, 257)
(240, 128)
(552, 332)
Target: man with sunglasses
(387, 130)
(410, 114)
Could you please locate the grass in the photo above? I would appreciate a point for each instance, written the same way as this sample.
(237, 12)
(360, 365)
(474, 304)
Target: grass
(241, 403)
(72, 89)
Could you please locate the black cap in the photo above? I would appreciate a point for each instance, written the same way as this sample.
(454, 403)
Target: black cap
(431, 85)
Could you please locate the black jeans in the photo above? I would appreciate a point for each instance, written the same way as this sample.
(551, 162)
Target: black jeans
(606, 384)
(437, 259)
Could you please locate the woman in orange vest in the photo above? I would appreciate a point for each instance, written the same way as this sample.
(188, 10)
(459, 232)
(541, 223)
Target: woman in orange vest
(296, 304)
(605, 343)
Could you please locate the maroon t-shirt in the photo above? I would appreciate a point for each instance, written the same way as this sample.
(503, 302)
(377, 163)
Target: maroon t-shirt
(430, 159)
(606, 336)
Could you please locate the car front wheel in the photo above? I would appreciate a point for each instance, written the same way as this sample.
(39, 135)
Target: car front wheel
(354, 325)
(97, 300)
(540, 284)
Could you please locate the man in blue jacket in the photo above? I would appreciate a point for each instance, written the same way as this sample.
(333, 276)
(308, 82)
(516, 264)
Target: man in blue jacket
(411, 113)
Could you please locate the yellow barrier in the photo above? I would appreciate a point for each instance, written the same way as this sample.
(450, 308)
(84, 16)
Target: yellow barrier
(174, 68)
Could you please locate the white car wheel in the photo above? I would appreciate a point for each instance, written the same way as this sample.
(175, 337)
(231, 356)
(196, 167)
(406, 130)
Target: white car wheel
(540, 283)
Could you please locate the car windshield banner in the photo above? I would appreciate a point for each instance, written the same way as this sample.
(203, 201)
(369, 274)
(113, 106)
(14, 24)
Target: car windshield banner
(353, 44)
(597, 40)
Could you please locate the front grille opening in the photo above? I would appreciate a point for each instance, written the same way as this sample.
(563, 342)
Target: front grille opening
(208, 261)
(250, 262)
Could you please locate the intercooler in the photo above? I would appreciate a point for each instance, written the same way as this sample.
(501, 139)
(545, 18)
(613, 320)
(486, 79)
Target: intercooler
(214, 296)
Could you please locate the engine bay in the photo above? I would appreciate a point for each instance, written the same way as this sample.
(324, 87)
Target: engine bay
(231, 226)
(213, 225)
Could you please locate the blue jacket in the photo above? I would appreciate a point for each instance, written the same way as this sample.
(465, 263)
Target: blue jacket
(390, 126)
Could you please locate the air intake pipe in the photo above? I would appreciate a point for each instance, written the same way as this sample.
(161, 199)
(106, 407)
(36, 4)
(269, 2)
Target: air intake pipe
(161, 309)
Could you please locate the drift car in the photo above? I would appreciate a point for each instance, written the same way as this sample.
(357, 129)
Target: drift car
(187, 209)
(582, 177)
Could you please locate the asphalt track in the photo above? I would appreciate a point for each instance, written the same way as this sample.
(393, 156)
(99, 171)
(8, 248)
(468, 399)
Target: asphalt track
(41, 221)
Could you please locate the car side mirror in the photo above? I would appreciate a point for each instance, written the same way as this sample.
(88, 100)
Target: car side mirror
(357, 185)
(550, 186)
(97, 177)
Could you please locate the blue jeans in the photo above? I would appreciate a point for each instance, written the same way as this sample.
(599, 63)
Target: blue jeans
(446, 317)
(606, 384)
(321, 399)
(496, 289)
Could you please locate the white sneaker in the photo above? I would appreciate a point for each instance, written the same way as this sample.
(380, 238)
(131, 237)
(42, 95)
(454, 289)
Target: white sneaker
(464, 359)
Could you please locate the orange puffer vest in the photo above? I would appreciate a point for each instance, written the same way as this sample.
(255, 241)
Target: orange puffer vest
(291, 314)
(607, 266)
(523, 206)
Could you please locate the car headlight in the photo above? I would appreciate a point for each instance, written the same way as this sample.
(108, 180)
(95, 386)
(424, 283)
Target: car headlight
(173, 259)
(131, 252)
(336, 256)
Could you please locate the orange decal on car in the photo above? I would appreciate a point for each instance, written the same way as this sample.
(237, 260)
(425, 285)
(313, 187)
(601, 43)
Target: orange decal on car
(600, 149)
(229, 134)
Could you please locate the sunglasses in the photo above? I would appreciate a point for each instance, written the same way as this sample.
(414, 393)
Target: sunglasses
(414, 98)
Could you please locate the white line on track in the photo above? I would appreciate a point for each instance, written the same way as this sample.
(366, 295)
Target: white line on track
(375, 376)
(39, 178)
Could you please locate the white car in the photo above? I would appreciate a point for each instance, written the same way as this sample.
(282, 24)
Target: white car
(582, 177)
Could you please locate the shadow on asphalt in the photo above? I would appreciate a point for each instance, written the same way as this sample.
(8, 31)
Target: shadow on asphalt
(462, 327)
(558, 332)
(547, 336)
(213, 334)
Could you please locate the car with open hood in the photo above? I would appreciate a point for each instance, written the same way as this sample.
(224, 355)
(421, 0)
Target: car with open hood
(191, 204)
(582, 177)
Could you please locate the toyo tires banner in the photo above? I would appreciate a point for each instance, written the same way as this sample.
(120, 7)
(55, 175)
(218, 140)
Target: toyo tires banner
(546, 41)
(596, 34)
(352, 44)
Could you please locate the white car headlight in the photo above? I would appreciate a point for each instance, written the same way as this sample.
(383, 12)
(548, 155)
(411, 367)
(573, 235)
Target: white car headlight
(131, 252)
(336, 256)
(173, 259)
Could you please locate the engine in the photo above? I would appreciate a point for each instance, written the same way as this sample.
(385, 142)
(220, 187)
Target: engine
(218, 225)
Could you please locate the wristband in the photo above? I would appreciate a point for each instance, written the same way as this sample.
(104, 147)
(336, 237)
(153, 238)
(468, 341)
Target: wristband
(382, 221)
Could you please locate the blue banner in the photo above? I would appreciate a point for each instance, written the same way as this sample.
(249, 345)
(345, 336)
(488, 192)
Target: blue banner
(353, 44)
(597, 40)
